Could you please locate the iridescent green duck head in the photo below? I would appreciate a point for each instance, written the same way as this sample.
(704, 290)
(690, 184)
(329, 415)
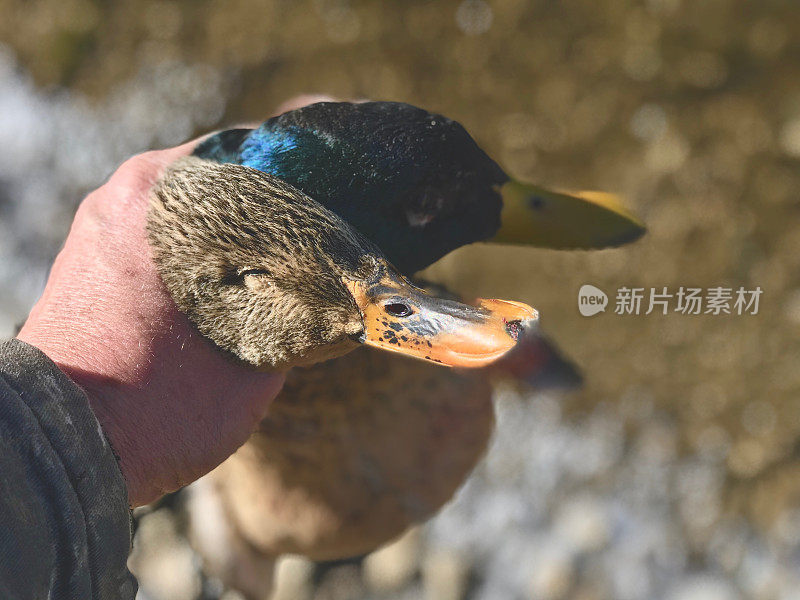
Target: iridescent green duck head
(277, 280)
(415, 182)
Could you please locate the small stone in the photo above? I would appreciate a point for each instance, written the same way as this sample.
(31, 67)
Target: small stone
(790, 137)
(474, 17)
(584, 524)
(445, 576)
(162, 560)
(293, 578)
(552, 578)
(703, 587)
(391, 567)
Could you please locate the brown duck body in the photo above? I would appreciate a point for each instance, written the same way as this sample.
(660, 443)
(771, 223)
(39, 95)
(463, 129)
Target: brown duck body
(353, 452)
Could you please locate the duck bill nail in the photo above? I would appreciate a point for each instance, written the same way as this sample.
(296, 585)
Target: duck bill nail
(442, 331)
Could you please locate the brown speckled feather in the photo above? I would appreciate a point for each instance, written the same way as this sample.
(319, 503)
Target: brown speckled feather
(354, 451)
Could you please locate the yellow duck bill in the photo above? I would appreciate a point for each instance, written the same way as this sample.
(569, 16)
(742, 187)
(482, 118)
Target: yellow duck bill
(399, 317)
(536, 216)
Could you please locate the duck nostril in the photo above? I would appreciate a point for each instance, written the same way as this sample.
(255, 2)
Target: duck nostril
(397, 309)
(514, 329)
(536, 202)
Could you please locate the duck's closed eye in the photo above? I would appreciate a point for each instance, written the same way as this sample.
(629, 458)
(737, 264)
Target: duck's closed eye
(252, 277)
(253, 273)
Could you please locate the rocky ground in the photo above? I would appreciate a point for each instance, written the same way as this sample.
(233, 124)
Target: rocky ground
(673, 473)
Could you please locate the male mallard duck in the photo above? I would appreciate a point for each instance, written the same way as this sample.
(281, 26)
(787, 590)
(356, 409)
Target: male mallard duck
(356, 449)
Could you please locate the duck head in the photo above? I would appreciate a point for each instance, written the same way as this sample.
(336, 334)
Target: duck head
(272, 277)
(413, 182)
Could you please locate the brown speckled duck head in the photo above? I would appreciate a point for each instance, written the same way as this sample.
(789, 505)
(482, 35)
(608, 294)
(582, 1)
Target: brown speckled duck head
(271, 276)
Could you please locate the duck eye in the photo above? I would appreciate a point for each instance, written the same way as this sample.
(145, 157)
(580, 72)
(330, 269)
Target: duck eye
(247, 272)
(250, 278)
(398, 309)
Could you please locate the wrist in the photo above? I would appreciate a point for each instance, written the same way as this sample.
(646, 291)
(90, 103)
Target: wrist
(172, 410)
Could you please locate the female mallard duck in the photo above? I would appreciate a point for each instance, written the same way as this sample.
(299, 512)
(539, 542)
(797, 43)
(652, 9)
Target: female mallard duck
(274, 278)
(356, 449)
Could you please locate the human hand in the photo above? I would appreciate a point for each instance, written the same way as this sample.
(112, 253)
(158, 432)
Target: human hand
(170, 403)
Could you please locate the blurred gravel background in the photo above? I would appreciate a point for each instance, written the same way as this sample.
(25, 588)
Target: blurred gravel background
(674, 473)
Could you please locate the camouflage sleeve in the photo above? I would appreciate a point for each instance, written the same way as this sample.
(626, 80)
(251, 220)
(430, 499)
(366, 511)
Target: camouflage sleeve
(64, 519)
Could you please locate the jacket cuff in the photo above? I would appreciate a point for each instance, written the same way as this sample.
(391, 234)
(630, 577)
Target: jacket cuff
(83, 493)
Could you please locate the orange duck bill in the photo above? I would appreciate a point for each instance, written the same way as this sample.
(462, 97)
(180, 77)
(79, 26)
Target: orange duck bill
(402, 318)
